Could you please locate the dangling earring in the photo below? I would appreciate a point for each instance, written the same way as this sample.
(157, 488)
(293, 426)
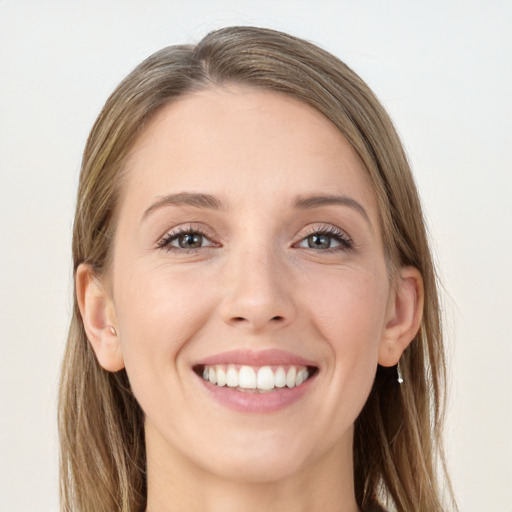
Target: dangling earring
(113, 330)
(400, 378)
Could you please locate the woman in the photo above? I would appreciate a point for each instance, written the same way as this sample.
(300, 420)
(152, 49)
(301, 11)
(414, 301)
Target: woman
(256, 321)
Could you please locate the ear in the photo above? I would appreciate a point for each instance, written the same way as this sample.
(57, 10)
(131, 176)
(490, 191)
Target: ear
(99, 319)
(405, 311)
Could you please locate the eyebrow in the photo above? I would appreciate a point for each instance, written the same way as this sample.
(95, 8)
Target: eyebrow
(317, 201)
(210, 202)
(185, 198)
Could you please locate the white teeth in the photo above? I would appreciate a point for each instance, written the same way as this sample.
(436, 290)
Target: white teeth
(221, 377)
(246, 378)
(265, 378)
(280, 378)
(291, 377)
(249, 378)
(232, 377)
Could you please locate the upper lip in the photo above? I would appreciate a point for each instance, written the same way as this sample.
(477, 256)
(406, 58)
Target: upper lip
(268, 357)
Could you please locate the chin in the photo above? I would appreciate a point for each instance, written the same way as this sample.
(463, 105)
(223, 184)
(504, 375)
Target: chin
(262, 457)
(258, 468)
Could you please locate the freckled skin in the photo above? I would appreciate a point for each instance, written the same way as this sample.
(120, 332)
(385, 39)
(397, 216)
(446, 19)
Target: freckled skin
(256, 286)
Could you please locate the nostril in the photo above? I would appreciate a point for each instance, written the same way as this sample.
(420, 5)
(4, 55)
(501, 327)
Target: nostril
(257, 321)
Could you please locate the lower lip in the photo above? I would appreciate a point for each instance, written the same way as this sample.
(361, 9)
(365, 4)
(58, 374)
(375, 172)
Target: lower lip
(261, 403)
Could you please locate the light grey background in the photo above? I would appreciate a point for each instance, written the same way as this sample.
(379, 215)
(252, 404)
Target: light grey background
(444, 71)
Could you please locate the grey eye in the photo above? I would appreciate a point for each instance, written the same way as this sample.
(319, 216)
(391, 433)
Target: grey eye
(190, 240)
(319, 241)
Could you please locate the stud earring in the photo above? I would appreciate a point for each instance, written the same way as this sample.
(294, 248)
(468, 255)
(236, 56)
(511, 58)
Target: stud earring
(400, 378)
(113, 330)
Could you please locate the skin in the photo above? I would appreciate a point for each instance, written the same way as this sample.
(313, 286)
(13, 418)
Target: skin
(255, 284)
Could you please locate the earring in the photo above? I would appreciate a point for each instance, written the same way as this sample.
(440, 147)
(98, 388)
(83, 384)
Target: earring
(113, 330)
(400, 378)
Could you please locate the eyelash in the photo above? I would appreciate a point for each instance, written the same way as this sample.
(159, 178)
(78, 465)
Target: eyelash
(171, 236)
(345, 242)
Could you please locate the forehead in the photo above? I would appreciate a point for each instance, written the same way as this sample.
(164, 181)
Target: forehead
(232, 139)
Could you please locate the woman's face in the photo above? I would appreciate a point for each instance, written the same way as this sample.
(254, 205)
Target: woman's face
(249, 252)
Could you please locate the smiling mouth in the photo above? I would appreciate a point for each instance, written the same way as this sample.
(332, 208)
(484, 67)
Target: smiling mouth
(251, 379)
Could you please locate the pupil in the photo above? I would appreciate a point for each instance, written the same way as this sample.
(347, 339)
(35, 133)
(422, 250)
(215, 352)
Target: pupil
(190, 240)
(319, 242)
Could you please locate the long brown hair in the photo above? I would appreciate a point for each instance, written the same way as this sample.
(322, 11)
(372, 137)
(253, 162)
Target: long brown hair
(397, 446)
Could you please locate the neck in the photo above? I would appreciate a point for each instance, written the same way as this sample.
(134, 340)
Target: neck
(176, 484)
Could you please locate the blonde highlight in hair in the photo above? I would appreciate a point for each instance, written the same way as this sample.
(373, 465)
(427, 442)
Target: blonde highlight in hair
(397, 443)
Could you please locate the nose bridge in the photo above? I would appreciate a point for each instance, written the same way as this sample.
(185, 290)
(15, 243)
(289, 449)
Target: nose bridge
(256, 284)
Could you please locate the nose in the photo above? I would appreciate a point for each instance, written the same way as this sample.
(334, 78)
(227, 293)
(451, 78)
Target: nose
(257, 292)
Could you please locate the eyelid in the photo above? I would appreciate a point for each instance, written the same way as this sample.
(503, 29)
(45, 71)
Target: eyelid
(346, 242)
(163, 241)
(322, 228)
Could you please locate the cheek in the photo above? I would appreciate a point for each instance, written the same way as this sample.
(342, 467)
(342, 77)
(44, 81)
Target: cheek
(158, 301)
(349, 308)
(158, 312)
(349, 316)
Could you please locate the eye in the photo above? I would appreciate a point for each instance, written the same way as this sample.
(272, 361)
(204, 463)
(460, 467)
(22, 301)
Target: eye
(324, 239)
(319, 241)
(184, 239)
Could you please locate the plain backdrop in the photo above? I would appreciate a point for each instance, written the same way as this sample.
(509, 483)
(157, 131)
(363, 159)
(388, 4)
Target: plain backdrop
(442, 68)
